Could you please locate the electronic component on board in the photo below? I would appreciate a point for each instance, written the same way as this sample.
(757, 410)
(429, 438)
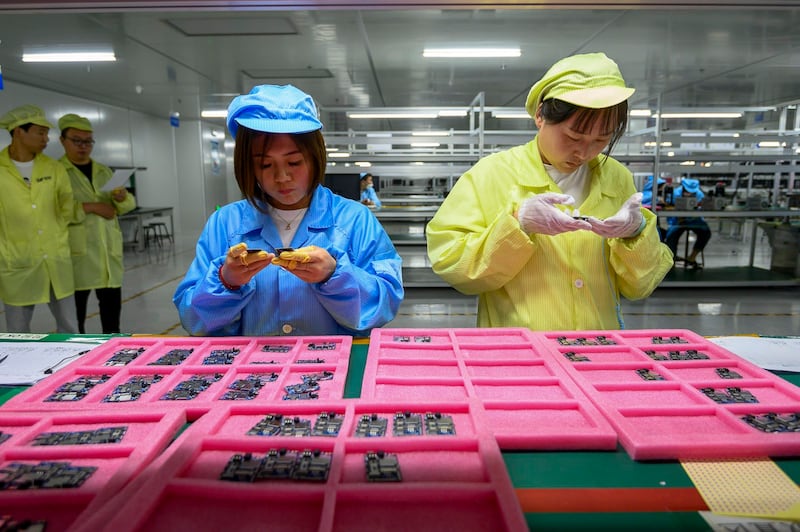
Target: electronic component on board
(82, 437)
(727, 373)
(132, 389)
(221, 357)
(407, 424)
(670, 340)
(438, 424)
(191, 388)
(124, 357)
(371, 426)
(270, 425)
(649, 375)
(44, 475)
(572, 356)
(77, 389)
(382, 467)
(328, 424)
(173, 357)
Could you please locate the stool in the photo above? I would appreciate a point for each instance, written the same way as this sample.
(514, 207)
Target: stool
(151, 233)
(161, 232)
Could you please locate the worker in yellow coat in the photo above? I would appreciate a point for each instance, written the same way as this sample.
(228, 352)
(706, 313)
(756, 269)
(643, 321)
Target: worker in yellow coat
(36, 206)
(97, 241)
(552, 233)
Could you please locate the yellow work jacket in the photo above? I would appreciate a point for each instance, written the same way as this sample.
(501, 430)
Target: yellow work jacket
(570, 281)
(96, 242)
(34, 240)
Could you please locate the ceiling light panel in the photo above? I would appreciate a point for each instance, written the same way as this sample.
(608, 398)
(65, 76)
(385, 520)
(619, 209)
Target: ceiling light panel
(471, 53)
(288, 73)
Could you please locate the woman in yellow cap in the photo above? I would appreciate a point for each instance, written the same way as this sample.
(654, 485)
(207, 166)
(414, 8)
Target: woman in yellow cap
(35, 208)
(97, 241)
(550, 234)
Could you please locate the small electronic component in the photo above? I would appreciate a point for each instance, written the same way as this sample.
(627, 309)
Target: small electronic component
(300, 396)
(77, 389)
(9, 524)
(312, 465)
(191, 388)
(689, 354)
(422, 339)
(402, 339)
(242, 468)
(727, 373)
(4, 437)
(371, 426)
(276, 348)
(270, 425)
(437, 424)
(319, 376)
(279, 464)
(572, 356)
(582, 340)
(173, 357)
(324, 346)
(382, 467)
(132, 389)
(303, 387)
(295, 427)
(669, 340)
(774, 422)
(44, 475)
(247, 388)
(310, 361)
(649, 375)
(124, 357)
(221, 357)
(407, 424)
(81, 437)
(729, 395)
(328, 424)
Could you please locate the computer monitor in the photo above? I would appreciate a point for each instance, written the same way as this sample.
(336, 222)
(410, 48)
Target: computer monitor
(346, 185)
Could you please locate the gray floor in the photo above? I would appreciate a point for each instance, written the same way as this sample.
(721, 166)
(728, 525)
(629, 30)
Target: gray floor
(152, 275)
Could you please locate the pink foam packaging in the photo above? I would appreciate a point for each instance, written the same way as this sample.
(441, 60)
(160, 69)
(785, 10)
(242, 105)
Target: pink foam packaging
(529, 400)
(277, 362)
(658, 388)
(449, 482)
(147, 433)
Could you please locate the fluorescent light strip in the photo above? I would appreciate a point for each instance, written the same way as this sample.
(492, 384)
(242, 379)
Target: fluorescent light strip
(339, 154)
(770, 144)
(641, 112)
(701, 115)
(214, 113)
(67, 57)
(430, 134)
(471, 52)
(453, 113)
(511, 114)
(393, 115)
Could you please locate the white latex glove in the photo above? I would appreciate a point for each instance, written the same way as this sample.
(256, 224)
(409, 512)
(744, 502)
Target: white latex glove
(626, 223)
(538, 214)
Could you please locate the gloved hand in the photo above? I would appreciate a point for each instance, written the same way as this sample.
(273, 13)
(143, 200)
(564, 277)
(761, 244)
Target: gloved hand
(626, 223)
(242, 265)
(538, 214)
(312, 264)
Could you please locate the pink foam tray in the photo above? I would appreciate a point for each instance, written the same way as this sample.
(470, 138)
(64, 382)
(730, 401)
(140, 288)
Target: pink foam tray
(193, 374)
(673, 394)
(82, 460)
(433, 467)
(530, 401)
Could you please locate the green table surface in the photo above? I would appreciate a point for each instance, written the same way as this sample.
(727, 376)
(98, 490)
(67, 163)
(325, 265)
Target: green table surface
(592, 490)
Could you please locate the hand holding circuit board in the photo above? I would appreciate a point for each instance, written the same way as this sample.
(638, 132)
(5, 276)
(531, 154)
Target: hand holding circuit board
(242, 264)
(312, 264)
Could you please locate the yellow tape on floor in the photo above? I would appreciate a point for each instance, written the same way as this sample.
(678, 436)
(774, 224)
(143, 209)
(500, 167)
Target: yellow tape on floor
(753, 487)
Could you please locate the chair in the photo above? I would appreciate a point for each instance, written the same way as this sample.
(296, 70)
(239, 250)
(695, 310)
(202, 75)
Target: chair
(151, 233)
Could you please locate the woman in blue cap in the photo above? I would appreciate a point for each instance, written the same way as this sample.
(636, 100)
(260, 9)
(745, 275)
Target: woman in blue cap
(292, 257)
(509, 230)
(688, 188)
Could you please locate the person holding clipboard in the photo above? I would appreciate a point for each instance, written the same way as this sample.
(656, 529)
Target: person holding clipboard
(97, 241)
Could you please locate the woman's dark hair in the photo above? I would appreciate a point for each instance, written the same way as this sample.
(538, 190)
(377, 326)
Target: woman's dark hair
(613, 119)
(311, 145)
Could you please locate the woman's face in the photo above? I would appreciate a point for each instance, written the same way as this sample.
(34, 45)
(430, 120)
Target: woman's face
(282, 172)
(566, 148)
